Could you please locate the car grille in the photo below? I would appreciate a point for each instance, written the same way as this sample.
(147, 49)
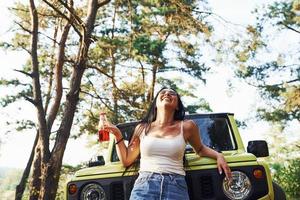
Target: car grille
(117, 191)
(206, 187)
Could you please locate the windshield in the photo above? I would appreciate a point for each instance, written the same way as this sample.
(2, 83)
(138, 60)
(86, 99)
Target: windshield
(215, 133)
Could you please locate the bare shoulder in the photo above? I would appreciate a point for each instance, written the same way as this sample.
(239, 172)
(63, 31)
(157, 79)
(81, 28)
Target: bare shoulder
(189, 124)
(189, 127)
(139, 130)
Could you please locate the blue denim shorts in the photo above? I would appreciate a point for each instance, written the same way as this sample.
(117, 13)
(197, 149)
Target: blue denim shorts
(156, 186)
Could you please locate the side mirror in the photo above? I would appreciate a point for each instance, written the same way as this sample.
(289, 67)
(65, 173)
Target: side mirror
(100, 161)
(258, 147)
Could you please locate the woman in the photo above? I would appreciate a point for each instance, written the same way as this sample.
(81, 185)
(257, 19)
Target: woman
(160, 139)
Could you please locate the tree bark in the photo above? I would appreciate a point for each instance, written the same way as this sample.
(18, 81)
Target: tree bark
(47, 165)
(42, 148)
(21, 186)
(35, 182)
(51, 168)
(113, 75)
(151, 90)
(58, 75)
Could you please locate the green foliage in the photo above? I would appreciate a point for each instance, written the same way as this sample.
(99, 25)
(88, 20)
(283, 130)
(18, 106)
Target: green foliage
(260, 72)
(200, 105)
(145, 46)
(282, 13)
(67, 171)
(241, 124)
(25, 124)
(284, 159)
(189, 56)
(8, 181)
(288, 176)
(250, 45)
(278, 80)
(8, 99)
(9, 178)
(136, 39)
(197, 104)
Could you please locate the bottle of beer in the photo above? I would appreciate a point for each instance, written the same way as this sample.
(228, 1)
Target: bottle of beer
(103, 135)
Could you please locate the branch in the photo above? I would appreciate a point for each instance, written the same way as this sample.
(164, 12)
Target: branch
(100, 4)
(24, 48)
(58, 75)
(96, 96)
(18, 9)
(53, 40)
(218, 16)
(50, 80)
(272, 85)
(72, 12)
(23, 72)
(37, 94)
(99, 70)
(25, 29)
(291, 28)
(113, 81)
(143, 71)
(30, 100)
(203, 12)
(34, 41)
(291, 81)
(64, 16)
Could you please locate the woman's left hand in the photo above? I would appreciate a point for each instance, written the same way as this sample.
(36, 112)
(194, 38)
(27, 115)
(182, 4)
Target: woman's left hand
(223, 166)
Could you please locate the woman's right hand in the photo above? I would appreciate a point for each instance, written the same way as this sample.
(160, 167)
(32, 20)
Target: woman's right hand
(111, 128)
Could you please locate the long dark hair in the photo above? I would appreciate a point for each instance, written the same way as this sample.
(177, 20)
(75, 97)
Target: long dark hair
(152, 111)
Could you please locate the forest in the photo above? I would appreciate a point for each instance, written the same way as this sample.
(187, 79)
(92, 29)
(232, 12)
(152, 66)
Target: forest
(112, 55)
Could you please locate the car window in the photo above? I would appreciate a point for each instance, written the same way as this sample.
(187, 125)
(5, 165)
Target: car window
(127, 131)
(216, 133)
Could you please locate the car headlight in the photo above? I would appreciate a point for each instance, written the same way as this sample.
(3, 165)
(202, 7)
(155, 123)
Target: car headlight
(92, 191)
(239, 187)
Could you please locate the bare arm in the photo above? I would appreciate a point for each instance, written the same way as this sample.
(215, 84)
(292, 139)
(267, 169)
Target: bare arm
(127, 155)
(193, 137)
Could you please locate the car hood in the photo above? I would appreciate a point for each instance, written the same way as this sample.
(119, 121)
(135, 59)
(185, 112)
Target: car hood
(231, 158)
(115, 169)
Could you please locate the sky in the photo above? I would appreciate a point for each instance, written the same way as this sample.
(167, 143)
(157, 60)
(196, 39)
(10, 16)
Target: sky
(15, 148)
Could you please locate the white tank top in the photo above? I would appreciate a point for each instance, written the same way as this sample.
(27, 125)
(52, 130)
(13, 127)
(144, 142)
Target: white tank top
(162, 155)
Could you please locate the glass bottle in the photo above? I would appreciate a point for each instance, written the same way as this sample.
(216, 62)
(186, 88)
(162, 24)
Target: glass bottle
(103, 135)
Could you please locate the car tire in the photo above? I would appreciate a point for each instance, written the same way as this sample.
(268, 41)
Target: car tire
(278, 192)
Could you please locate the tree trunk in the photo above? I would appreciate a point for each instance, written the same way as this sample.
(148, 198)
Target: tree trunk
(51, 168)
(21, 186)
(47, 165)
(35, 182)
(113, 75)
(51, 165)
(151, 90)
(43, 140)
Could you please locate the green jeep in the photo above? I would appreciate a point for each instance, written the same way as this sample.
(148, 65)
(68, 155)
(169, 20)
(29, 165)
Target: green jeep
(251, 176)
